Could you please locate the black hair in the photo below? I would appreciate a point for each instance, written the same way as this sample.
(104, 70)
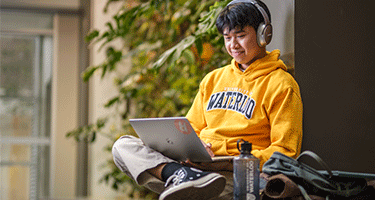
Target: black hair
(239, 15)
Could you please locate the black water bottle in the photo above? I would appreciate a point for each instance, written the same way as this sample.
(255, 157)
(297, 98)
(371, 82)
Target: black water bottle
(245, 173)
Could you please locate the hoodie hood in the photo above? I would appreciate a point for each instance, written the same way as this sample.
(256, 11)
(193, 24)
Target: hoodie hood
(261, 67)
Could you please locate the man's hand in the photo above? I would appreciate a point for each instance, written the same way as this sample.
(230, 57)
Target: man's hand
(210, 166)
(208, 148)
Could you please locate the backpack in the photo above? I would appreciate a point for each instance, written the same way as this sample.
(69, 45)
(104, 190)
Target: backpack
(311, 181)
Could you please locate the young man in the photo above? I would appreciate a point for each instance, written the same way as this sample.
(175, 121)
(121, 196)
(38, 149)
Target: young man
(253, 98)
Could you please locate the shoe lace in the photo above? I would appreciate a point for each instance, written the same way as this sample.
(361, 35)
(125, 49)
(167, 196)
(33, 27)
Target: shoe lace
(175, 178)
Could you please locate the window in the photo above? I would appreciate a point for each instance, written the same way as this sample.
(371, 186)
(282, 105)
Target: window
(26, 46)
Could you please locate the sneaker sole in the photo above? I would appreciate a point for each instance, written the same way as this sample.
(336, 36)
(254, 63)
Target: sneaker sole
(204, 188)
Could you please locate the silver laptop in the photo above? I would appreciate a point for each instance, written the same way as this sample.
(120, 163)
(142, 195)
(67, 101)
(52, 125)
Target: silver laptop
(174, 137)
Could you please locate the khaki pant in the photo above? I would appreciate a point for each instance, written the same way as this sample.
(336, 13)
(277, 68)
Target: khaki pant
(133, 158)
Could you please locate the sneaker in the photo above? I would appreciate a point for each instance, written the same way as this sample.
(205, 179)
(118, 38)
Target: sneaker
(190, 183)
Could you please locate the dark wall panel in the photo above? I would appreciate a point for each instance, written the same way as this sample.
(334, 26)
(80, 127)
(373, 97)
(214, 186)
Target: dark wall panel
(335, 67)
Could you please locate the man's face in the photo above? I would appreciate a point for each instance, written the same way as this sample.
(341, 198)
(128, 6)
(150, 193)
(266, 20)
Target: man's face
(242, 45)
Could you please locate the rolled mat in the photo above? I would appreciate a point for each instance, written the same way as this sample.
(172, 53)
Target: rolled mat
(280, 186)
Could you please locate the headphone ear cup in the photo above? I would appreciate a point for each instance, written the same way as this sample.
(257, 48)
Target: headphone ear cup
(264, 34)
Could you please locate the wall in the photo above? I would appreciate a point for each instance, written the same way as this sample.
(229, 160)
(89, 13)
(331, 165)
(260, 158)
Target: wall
(282, 19)
(336, 73)
(100, 91)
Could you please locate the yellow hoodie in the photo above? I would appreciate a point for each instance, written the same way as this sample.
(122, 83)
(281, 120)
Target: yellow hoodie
(261, 105)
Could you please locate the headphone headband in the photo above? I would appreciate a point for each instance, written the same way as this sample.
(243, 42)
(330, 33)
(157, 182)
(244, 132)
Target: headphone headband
(256, 4)
(264, 32)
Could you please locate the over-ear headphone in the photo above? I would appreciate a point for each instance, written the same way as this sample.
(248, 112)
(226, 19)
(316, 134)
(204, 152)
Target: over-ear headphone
(264, 32)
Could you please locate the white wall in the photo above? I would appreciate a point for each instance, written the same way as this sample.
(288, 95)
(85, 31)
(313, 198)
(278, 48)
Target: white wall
(282, 20)
(100, 91)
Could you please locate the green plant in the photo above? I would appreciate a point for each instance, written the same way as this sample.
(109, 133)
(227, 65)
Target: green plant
(172, 45)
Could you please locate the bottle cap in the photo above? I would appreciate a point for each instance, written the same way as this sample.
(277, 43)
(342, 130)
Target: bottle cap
(245, 146)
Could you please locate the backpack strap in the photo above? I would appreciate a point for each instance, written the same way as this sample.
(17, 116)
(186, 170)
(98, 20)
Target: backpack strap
(304, 193)
(317, 159)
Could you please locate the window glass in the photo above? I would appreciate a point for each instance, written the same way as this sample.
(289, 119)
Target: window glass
(25, 101)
